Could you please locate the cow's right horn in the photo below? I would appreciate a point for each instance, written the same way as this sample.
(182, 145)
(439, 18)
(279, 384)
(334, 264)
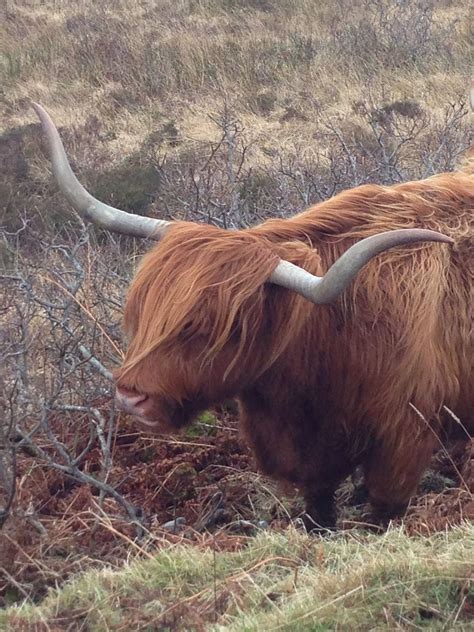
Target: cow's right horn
(84, 203)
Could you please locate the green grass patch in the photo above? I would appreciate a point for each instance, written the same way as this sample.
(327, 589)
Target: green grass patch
(204, 426)
(276, 582)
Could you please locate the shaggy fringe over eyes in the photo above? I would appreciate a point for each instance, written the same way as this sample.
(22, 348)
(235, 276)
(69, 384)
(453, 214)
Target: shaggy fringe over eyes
(199, 280)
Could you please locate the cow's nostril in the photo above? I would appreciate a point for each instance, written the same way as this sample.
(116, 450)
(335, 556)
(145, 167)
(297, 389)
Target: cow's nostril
(129, 399)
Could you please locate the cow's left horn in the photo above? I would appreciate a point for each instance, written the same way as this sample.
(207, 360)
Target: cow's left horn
(83, 202)
(322, 290)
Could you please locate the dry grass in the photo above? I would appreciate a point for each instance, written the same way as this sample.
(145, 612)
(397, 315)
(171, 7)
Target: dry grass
(118, 74)
(273, 582)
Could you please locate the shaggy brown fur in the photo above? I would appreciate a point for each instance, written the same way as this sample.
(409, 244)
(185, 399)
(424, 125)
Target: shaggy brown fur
(322, 388)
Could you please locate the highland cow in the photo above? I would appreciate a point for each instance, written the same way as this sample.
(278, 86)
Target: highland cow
(338, 357)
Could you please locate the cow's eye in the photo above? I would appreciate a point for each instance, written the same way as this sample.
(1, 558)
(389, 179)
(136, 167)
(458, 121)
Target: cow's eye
(188, 329)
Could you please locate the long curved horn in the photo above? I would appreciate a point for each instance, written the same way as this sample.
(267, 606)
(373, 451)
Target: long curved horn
(323, 290)
(84, 203)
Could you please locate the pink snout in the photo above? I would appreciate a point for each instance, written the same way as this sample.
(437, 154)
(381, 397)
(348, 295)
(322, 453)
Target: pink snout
(131, 402)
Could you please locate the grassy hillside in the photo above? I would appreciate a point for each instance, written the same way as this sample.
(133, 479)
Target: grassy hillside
(274, 582)
(231, 110)
(228, 112)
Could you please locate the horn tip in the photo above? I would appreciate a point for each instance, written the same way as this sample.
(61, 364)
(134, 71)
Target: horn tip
(434, 235)
(447, 240)
(40, 111)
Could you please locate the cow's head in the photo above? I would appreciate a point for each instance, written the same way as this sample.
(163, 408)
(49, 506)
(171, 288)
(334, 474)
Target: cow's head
(197, 323)
(197, 317)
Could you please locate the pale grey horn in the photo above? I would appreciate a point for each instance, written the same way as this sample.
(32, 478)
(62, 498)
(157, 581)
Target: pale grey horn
(84, 203)
(326, 289)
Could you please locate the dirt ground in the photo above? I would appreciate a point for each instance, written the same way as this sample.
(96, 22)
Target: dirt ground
(205, 481)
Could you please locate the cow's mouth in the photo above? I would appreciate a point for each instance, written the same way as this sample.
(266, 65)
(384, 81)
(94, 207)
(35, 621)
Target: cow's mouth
(171, 421)
(148, 422)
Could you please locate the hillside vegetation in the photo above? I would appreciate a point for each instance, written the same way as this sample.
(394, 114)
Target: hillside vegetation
(227, 112)
(231, 110)
(274, 582)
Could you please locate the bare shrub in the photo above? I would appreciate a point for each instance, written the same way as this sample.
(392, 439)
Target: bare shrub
(61, 325)
(383, 143)
(393, 34)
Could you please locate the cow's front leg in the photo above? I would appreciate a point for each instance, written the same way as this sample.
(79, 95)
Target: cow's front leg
(392, 475)
(320, 513)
